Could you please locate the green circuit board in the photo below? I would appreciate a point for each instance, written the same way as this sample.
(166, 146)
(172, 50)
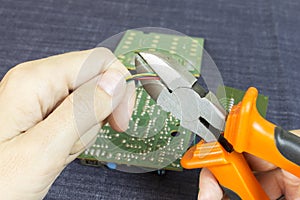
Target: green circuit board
(154, 138)
(158, 145)
(189, 48)
(234, 96)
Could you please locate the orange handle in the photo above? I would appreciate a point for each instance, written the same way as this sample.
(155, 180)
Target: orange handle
(249, 132)
(230, 169)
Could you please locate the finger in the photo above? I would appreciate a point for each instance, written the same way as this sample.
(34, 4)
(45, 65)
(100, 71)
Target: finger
(84, 141)
(120, 117)
(209, 188)
(30, 91)
(258, 164)
(291, 185)
(278, 182)
(297, 132)
(88, 105)
(72, 157)
(272, 183)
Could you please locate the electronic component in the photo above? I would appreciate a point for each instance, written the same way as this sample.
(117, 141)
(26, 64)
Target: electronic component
(234, 96)
(154, 139)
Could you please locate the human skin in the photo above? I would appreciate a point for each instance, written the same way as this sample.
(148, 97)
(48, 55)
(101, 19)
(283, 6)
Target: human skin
(46, 122)
(275, 181)
(51, 111)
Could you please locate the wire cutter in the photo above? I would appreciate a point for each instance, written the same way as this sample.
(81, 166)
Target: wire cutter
(225, 136)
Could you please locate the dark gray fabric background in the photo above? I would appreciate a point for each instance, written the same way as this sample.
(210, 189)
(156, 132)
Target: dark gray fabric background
(252, 42)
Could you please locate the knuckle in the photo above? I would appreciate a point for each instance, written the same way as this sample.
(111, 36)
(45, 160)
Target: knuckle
(110, 60)
(20, 73)
(106, 54)
(104, 51)
(83, 106)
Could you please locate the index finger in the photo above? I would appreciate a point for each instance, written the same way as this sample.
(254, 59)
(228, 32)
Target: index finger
(30, 91)
(258, 164)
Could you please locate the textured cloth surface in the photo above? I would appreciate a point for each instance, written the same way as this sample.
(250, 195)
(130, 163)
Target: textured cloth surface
(252, 42)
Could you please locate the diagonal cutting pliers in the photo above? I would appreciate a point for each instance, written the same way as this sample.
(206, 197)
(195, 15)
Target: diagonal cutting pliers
(225, 136)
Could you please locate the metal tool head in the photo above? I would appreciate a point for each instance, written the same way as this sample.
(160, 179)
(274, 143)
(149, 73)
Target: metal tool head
(172, 75)
(179, 93)
(153, 87)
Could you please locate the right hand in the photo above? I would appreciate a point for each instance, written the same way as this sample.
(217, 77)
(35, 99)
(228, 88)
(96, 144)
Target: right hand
(275, 181)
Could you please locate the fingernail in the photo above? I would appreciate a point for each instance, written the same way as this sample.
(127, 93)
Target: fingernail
(112, 82)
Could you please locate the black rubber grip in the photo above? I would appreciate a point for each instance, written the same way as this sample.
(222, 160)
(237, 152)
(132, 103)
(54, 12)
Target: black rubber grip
(288, 145)
(231, 194)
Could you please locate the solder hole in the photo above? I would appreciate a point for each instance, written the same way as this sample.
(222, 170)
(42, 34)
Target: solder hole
(175, 133)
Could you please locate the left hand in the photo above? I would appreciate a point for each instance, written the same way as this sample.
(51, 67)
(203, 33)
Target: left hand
(51, 110)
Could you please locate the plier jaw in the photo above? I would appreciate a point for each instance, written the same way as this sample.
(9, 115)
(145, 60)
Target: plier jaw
(179, 92)
(171, 74)
(245, 129)
(153, 87)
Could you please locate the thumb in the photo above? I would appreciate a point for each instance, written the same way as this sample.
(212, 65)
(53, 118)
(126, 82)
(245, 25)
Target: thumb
(86, 107)
(209, 188)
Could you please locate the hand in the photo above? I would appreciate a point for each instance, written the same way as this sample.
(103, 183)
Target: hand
(275, 181)
(51, 110)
